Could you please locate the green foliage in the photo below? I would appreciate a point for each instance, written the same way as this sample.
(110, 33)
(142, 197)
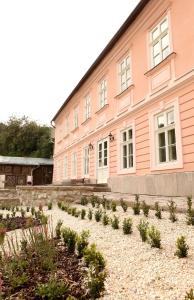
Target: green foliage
(2, 233)
(127, 226)
(108, 204)
(50, 205)
(82, 242)
(115, 222)
(190, 295)
(143, 230)
(33, 210)
(190, 212)
(90, 214)
(52, 290)
(84, 200)
(59, 203)
(123, 205)
(22, 137)
(27, 209)
(103, 202)
(43, 219)
(182, 247)
(105, 219)
(93, 200)
(69, 237)
(58, 229)
(145, 208)
(154, 238)
(73, 211)
(113, 206)
(83, 213)
(96, 282)
(172, 211)
(18, 281)
(158, 210)
(22, 212)
(136, 205)
(98, 215)
(94, 258)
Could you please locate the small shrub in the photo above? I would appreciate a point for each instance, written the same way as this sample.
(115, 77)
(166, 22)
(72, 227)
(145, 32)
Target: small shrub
(73, 211)
(69, 237)
(127, 226)
(154, 237)
(108, 206)
(113, 206)
(172, 211)
(136, 205)
(143, 229)
(82, 242)
(84, 200)
(182, 247)
(22, 213)
(105, 219)
(83, 213)
(77, 213)
(93, 201)
(98, 215)
(33, 210)
(58, 229)
(94, 258)
(158, 210)
(43, 219)
(115, 222)
(145, 208)
(190, 295)
(59, 203)
(53, 289)
(27, 209)
(95, 283)
(190, 212)
(123, 205)
(50, 205)
(103, 202)
(90, 214)
(2, 233)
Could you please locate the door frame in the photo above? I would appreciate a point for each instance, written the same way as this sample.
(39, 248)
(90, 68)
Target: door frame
(96, 154)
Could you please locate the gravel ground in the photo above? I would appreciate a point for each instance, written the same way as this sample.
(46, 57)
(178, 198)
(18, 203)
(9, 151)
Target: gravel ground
(137, 271)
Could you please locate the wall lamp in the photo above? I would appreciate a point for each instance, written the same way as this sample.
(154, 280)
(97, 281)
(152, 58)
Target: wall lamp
(90, 146)
(111, 137)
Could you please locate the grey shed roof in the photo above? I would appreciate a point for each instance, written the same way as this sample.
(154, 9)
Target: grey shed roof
(29, 161)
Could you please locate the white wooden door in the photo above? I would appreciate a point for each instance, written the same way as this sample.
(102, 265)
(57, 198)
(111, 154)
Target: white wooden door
(102, 161)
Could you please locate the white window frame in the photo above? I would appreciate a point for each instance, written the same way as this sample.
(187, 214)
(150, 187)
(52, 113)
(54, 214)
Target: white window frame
(75, 117)
(87, 107)
(65, 167)
(125, 72)
(103, 93)
(86, 161)
(74, 165)
(154, 153)
(126, 143)
(163, 51)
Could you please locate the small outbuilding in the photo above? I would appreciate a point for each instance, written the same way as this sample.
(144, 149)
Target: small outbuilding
(25, 171)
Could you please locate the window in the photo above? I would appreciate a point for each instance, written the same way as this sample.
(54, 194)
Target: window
(86, 161)
(127, 148)
(125, 74)
(160, 42)
(87, 107)
(103, 93)
(166, 137)
(65, 167)
(74, 164)
(76, 117)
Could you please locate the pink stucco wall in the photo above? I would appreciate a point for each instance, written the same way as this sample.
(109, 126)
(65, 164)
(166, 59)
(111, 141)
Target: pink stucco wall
(172, 81)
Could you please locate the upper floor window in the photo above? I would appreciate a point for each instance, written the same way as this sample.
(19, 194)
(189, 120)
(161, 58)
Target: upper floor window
(124, 73)
(127, 148)
(166, 137)
(103, 93)
(160, 42)
(87, 107)
(75, 117)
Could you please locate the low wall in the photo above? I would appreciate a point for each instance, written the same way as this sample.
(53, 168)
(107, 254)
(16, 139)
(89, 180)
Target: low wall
(9, 197)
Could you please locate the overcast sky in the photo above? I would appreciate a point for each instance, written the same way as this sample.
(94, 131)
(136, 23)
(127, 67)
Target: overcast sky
(46, 46)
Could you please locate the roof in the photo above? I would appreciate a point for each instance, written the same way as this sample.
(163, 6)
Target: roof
(27, 161)
(108, 47)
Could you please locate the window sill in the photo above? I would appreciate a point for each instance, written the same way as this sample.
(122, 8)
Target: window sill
(86, 121)
(167, 166)
(75, 129)
(118, 96)
(126, 171)
(102, 109)
(161, 64)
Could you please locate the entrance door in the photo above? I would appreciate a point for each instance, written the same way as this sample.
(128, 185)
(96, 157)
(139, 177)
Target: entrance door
(102, 164)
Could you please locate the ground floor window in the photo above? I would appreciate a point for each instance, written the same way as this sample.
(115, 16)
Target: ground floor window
(86, 161)
(127, 149)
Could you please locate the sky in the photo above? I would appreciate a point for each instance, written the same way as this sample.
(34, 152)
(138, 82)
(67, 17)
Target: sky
(46, 46)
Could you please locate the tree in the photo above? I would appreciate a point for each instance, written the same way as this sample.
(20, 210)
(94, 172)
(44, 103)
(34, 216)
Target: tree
(23, 137)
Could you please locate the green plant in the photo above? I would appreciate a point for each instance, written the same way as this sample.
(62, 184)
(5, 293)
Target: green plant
(52, 290)
(172, 211)
(71, 298)
(108, 204)
(58, 229)
(158, 210)
(93, 200)
(59, 203)
(115, 222)
(90, 214)
(73, 211)
(190, 295)
(103, 202)
(145, 208)
(96, 282)
(83, 213)
(136, 205)
(123, 205)
(18, 281)
(94, 258)
(113, 206)
(22, 212)
(143, 229)
(2, 233)
(50, 205)
(69, 237)
(84, 200)
(182, 247)
(190, 212)
(127, 226)
(33, 210)
(82, 242)
(98, 215)
(43, 219)
(105, 219)
(154, 238)
(27, 209)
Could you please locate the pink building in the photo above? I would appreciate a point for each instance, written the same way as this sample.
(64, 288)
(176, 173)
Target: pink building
(130, 120)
